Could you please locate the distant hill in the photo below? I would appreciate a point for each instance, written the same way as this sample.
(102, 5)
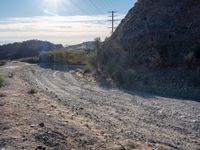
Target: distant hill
(157, 47)
(26, 49)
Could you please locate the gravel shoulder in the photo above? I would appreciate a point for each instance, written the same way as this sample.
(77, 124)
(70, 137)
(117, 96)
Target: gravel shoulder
(67, 112)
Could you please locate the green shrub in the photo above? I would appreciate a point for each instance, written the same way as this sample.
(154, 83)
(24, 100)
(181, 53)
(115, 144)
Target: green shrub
(2, 82)
(65, 57)
(91, 62)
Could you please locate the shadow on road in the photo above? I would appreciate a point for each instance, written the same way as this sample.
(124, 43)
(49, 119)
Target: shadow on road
(147, 93)
(57, 67)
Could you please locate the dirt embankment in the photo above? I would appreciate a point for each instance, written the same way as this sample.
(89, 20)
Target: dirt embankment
(70, 113)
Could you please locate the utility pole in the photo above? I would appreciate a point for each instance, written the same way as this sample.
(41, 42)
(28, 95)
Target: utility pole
(113, 19)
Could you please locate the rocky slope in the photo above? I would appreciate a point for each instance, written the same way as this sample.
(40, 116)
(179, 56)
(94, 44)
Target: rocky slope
(157, 44)
(26, 49)
(166, 29)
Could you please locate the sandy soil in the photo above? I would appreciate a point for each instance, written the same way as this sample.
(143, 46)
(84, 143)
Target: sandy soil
(68, 112)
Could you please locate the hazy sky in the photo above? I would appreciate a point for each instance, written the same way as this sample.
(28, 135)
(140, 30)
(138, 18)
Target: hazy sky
(58, 21)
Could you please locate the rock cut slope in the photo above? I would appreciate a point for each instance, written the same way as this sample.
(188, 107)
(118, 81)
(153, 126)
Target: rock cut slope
(156, 44)
(166, 27)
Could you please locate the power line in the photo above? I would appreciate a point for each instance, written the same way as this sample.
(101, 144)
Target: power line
(106, 4)
(95, 6)
(113, 19)
(80, 8)
(109, 3)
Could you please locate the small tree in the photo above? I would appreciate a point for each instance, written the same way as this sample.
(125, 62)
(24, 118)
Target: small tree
(97, 43)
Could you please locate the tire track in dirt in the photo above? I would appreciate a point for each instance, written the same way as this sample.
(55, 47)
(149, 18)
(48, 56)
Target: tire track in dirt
(139, 116)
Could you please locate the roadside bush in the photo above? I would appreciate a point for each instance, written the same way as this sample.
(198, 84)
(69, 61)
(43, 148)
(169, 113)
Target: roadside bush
(2, 62)
(2, 82)
(117, 76)
(91, 62)
(110, 67)
(65, 57)
(114, 71)
(32, 91)
(120, 74)
(129, 76)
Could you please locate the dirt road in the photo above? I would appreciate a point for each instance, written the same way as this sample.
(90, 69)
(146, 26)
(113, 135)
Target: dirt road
(78, 114)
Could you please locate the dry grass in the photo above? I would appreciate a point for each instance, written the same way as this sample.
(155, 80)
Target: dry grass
(2, 82)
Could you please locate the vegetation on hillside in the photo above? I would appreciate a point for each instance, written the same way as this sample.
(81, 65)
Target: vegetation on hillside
(26, 49)
(126, 69)
(66, 57)
(88, 58)
(117, 64)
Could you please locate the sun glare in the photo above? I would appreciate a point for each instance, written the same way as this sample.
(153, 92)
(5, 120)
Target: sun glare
(53, 5)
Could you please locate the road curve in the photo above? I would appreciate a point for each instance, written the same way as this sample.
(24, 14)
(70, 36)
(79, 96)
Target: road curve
(170, 123)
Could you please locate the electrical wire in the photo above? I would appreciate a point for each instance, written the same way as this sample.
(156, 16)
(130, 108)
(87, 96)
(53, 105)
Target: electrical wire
(95, 6)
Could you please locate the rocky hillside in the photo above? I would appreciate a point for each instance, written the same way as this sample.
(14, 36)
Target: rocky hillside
(157, 44)
(26, 49)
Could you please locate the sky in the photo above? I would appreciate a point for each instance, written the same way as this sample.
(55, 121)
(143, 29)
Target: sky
(60, 21)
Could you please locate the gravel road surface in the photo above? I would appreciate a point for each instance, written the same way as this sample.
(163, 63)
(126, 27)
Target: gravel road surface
(163, 123)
